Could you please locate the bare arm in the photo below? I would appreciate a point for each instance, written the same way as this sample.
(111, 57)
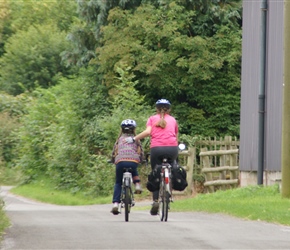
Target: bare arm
(144, 134)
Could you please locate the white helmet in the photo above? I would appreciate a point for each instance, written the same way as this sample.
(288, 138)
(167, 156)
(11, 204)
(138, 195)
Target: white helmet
(163, 103)
(128, 124)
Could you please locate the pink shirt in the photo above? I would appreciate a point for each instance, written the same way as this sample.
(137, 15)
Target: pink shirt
(160, 136)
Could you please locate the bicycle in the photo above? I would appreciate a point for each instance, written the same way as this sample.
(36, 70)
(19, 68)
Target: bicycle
(127, 194)
(165, 187)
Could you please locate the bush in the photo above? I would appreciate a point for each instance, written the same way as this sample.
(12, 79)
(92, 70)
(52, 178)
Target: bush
(9, 125)
(4, 222)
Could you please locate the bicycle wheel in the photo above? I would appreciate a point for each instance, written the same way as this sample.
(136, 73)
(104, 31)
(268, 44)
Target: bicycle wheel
(168, 192)
(127, 203)
(162, 195)
(166, 205)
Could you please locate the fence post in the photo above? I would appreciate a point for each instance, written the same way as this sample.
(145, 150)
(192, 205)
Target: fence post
(190, 164)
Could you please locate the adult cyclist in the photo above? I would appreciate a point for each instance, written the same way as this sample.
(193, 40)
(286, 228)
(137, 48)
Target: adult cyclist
(163, 131)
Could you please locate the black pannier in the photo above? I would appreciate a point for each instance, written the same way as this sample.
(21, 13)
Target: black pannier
(153, 182)
(179, 181)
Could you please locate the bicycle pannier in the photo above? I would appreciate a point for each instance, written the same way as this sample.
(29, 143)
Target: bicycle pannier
(179, 181)
(153, 182)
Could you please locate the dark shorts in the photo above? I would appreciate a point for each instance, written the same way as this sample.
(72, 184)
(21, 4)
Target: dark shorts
(157, 154)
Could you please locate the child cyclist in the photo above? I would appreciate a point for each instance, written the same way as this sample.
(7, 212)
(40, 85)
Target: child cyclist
(126, 155)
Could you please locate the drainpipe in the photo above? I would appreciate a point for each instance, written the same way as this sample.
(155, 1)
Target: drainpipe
(260, 173)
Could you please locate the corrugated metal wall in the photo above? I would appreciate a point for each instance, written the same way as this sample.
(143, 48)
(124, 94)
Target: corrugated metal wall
(274, 89)
(250, 86)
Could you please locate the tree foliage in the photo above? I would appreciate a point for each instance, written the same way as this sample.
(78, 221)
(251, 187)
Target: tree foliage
(58, 141)
(129, 53)
(85, 35)
(125, 103)
(196, 72)
(32, 59)
(4, 16)
(26, 13)
(31, 42)
(11, 109)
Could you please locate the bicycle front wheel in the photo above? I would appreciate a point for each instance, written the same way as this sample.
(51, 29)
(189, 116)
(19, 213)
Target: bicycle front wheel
(127, 203)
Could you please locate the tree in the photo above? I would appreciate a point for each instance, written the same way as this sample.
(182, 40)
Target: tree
(26, 13)
(85, 36)
(32, 59)
(27, 28)
(4, 30)
(200, 73)
(57, 138)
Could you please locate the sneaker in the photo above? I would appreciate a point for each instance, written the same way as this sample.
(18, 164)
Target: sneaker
(154, 208)
(138, 189)
(115, 209)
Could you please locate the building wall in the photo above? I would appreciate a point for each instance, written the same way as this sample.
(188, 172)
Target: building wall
(251, 45)
(274, 89)
(248, 151)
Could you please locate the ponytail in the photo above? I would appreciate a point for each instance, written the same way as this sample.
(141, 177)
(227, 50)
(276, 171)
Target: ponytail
(162, 123)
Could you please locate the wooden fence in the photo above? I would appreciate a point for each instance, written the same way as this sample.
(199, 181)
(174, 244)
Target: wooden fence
(219, 164)
(215, 160)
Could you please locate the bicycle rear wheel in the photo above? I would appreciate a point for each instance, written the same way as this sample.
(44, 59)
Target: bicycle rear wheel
(127, 203)
(166, 205)
(162, 200)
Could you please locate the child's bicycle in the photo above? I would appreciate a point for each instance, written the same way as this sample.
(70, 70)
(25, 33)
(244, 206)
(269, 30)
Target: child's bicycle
(127, 194)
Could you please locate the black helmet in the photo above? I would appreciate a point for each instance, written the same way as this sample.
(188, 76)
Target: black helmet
(163, 103)
(128, 124)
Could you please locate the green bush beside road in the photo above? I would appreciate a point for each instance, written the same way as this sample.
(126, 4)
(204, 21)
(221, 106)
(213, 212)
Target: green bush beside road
(4, 222)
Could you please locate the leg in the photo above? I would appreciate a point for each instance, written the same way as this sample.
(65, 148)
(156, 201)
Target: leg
(154, 159)
(118, 183)
(135, 173)
(117, 189)
(136, 178)
(156, 155)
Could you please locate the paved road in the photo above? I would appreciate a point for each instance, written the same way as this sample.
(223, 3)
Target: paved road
(44, 226)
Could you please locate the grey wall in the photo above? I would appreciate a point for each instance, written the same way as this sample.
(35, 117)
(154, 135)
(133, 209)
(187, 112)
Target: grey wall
(250, 86)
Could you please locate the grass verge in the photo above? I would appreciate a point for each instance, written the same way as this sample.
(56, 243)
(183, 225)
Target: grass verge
(252, 203)
(43, 190)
